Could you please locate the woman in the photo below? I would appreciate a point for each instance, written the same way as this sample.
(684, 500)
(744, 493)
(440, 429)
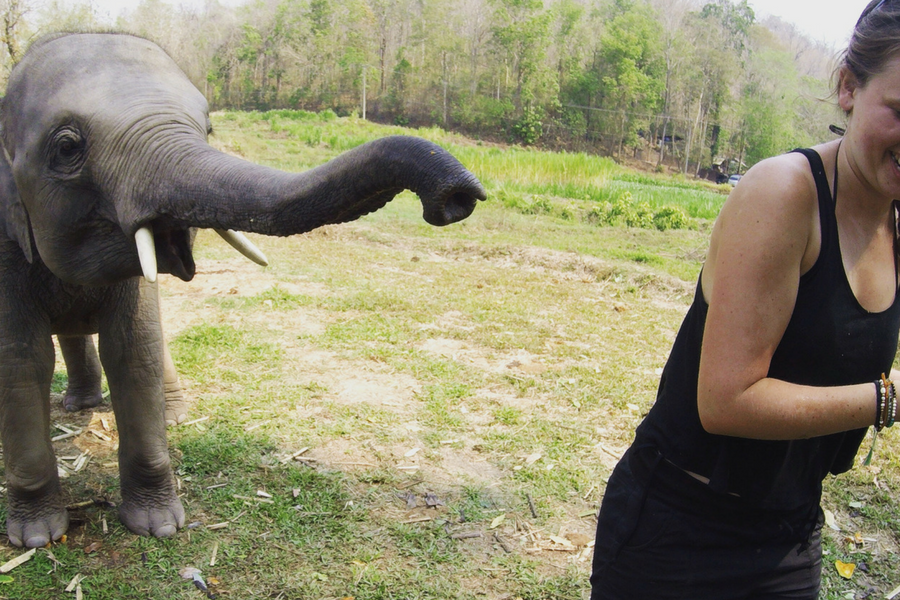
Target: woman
(776, 373)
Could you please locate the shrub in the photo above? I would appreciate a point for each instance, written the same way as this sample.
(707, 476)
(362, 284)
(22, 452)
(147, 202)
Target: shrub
(528, 128)
(670, 217)
(625, 211)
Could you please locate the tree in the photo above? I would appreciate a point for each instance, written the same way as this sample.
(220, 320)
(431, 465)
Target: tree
(521, 34)
(631, 71)
(12, 13)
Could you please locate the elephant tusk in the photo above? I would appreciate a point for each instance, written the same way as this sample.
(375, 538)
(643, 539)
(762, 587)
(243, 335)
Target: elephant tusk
(143, 237)
(240, 243)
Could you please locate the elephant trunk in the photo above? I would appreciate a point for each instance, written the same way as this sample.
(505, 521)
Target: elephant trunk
(215, 190)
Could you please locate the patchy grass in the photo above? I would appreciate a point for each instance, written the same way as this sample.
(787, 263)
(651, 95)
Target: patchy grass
(392, 410)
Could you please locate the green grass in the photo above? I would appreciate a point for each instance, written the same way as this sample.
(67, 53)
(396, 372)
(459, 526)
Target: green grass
(494, 365)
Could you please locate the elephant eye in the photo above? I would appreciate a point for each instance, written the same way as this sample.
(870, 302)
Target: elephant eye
(66, 150)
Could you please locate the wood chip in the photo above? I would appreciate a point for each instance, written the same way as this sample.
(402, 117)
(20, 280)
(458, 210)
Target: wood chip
(215, 551)
(218, 525)
(75, 581)
(263, 494)
(101, 435)
(195, 421)
(104, 422)
(893, 594)
(78, 593)
(12, 564)
(82, 461)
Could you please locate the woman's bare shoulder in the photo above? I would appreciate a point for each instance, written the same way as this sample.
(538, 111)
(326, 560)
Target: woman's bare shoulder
(770, 220)
(785, 180)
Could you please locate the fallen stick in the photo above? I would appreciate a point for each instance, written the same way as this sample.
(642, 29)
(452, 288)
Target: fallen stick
(466, 536)
(503, 543)
(12, 564)
(64, 436)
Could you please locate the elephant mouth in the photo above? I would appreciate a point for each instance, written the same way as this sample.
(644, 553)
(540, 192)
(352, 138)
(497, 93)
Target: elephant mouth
(173, 251)
(169, 249)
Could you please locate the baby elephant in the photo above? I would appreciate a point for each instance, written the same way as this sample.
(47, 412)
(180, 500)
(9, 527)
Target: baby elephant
(104, 174)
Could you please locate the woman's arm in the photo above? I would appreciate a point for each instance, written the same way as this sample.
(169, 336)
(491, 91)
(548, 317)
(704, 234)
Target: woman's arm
(767, 235)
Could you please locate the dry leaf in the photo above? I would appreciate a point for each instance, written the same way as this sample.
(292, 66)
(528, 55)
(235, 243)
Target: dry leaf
(579, 539)
(189, 572)
(830, 520)
(432, 501)
(845, 570)
(561, 541)
(533, 458)
(93, 547)
(497, 521)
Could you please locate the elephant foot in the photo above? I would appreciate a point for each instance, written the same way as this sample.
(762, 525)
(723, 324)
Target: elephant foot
(176, 405)
(73, 402)
(36, 522)
(159, 514)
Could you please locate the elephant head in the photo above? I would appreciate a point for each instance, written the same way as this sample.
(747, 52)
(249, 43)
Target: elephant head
(111, 167)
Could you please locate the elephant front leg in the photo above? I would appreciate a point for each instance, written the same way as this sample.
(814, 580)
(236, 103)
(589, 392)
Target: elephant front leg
(131, 350)
(36, 513)
(83, 370)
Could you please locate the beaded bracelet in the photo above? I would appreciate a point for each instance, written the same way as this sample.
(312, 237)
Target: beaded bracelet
(892, 413)
(885, 410)
(888, 402)
(880, 401)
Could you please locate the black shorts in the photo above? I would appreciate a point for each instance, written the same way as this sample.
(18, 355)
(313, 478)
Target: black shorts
(661, 534)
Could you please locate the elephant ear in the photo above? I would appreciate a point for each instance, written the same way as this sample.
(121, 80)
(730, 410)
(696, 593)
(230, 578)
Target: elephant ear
(15, 217)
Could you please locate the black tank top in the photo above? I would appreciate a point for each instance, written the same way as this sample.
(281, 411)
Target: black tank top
(830, 340)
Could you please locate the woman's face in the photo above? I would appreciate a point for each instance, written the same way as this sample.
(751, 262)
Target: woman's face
(873, 133)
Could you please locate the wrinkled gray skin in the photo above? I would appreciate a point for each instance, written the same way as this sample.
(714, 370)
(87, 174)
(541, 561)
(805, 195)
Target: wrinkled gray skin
(105, 135)
(85, 377)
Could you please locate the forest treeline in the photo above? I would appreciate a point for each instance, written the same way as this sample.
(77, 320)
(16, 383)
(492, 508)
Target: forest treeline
(675, 83)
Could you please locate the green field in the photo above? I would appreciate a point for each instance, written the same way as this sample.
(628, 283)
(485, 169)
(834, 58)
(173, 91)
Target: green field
(395, 411)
